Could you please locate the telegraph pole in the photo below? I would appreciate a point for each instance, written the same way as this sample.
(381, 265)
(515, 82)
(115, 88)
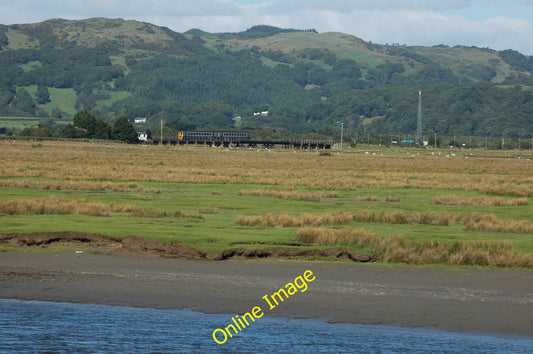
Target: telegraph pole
(419, 123)
(342, 131)
(161, 141)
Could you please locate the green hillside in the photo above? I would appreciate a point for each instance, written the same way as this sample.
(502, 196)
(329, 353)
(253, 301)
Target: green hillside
(307, 81)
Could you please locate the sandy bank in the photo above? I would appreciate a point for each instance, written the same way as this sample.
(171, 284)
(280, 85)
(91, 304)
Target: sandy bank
(491, 301)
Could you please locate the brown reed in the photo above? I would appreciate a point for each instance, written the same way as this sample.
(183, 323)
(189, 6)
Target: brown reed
(471, 221)
(392, 199)
(288, 220)
(490, 223)
(208, 210)
(367, 198)
(478, 201)
(287, 194)
(396, 249)
(342, 217)
(78, 185)
(54, 205)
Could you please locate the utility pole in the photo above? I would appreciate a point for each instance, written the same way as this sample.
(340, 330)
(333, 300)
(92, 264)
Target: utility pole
(419, 122)
(161, 141)
(342, 131)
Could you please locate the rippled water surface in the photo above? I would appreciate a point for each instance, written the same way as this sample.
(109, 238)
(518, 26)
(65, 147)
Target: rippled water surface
(32, 326)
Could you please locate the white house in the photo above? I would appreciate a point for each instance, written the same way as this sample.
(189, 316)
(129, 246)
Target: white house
(140, 120)
(262, 113)
(142, 136)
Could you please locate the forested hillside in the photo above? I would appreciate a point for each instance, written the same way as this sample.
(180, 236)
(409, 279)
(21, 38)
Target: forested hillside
(307, 81)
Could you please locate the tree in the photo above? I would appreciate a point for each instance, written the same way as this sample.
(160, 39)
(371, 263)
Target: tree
(125, 131)
(87, 122)
(103, 130)
(43, 96)
(23, 102)
(72, 132)
(36, 131)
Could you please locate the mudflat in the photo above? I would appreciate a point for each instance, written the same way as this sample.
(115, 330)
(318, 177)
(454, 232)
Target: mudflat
(466, 300)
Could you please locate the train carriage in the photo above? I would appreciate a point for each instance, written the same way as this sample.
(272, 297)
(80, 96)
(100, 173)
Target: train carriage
(226, 135)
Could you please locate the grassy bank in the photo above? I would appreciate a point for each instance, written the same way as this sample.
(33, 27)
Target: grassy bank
(216, 198)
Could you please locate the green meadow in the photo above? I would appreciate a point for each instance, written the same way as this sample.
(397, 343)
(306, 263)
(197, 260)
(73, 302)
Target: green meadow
(197, 196)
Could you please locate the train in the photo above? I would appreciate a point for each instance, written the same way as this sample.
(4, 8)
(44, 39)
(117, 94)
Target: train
(186, 135)
(237, 139)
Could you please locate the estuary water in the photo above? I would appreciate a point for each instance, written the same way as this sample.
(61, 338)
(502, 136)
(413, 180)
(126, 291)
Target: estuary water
(48, 327)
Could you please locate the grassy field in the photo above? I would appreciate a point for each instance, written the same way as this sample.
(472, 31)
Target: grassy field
(410, 206)
(19, 123)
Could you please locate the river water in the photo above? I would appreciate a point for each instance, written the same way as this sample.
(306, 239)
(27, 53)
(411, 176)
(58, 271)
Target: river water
(48, 327)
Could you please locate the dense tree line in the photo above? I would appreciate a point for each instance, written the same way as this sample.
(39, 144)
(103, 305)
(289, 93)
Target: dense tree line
(466, 109)
(88, 126)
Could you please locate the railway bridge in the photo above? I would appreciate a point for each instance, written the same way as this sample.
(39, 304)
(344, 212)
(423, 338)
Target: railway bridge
(236, 141)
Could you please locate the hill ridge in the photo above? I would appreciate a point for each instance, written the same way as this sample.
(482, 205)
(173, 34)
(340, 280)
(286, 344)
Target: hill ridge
(305, 79)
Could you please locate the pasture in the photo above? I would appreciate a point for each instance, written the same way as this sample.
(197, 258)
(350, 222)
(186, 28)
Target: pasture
(416, 206)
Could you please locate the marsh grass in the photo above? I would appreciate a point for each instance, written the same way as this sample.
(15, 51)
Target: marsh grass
(490, 223)
(78, 185)
(478, 201)
(342, 217)
(366, 198)
(288, 220)
(54, 205)
(392, 199)
(396, 249)
(288, 194)
(208, 210)
(162, 182)
(78, 161)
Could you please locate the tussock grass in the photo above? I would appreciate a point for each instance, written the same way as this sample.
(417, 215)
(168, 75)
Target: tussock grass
(157, 213)
(490, 223)
(342, 237)
(54, 205)
(478, 201)
(471, 221)
(288, 220)
(208, 210)
(396, 249)
(341, 218)
(373, 198)
(287, 194)
(366, 198)
(392, 199)
(78, 185)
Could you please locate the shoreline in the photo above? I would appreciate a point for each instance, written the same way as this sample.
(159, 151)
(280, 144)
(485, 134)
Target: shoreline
(469, 300)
